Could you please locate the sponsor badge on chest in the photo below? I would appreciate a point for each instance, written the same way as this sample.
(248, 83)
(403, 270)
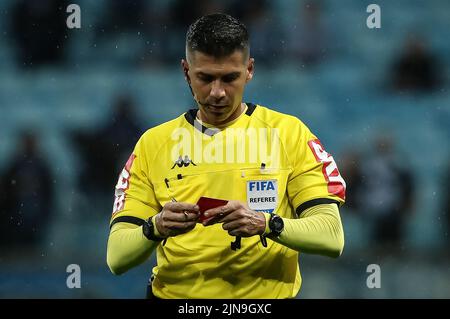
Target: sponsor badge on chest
(262, 195)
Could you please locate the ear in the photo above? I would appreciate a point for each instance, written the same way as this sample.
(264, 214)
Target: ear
(250, 69)
(185, 67)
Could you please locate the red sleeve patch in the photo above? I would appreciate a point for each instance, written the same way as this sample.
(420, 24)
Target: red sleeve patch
(335, 182)
(122, 185)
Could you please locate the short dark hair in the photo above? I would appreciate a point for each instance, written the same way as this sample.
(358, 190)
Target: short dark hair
(217, 35)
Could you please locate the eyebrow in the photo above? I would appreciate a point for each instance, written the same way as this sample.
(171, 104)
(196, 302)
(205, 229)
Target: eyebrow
(232, 74)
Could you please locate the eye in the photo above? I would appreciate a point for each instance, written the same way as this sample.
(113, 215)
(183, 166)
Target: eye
(205, 78)
(230, 78)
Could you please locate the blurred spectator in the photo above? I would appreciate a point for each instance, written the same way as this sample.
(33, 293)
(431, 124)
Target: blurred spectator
(107, 149)
(39, 28)
(241, 9)
(308, 42)
(124, 15)
(182, 13)
(137, 37)
(26, 196)
(350, 167)
(186, 12)
(388, 192)
(265, 35)
(416, 68)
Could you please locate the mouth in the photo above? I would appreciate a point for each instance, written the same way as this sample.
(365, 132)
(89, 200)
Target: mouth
(217, 108)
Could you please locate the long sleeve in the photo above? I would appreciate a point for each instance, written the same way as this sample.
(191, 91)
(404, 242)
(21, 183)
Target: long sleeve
(318, 231)
(127, 247)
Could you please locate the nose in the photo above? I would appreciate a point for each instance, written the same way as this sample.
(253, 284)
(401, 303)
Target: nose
(217, 90)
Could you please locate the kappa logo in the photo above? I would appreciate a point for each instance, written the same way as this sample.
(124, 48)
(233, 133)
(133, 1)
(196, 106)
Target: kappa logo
(180, 162)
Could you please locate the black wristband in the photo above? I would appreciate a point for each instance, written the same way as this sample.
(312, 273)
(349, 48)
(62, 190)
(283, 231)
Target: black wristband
(148, 228)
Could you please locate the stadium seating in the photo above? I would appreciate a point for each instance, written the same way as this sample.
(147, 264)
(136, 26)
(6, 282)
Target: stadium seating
(344, 101)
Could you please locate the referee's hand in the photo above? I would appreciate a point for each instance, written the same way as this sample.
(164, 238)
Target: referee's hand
(237, 219)
(176, 218)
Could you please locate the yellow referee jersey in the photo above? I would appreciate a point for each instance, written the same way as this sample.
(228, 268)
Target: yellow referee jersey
(269, 160)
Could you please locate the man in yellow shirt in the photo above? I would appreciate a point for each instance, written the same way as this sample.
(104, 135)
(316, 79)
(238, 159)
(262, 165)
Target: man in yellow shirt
(281, 189)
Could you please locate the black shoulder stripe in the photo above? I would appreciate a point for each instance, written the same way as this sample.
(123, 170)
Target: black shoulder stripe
(128, 219)
(314, 202)
(250, 108)
(191, 116)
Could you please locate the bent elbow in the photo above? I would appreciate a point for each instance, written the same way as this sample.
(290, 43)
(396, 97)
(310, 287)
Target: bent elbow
(114, 266)
(337, 249)
(337, 252)
(338, 242)
(115, 270)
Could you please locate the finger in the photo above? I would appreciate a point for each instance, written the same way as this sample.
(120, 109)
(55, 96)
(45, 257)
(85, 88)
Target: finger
(219, 218)
(180, 206)
(214, 219)
(213, 212)
(211, 221)
(224, 210)
(185, 230)
(233, 225)
(178, 226)
(181, 216)
(235, 215)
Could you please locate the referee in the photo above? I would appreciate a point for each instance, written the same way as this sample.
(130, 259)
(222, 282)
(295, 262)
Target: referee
(281, 190)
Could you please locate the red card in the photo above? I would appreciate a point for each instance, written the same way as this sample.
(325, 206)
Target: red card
(206, 203)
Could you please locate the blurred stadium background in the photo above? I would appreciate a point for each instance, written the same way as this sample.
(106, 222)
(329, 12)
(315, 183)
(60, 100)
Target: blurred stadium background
(72, 103)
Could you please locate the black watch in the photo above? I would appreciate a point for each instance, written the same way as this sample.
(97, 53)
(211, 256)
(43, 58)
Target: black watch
(276, 225)
(148, 228)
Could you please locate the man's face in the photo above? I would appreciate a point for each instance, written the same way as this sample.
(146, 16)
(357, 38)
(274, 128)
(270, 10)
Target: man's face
(218, 84)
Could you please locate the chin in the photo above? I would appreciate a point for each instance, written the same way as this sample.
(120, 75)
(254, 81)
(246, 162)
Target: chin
(222, 112)
(217, 117)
